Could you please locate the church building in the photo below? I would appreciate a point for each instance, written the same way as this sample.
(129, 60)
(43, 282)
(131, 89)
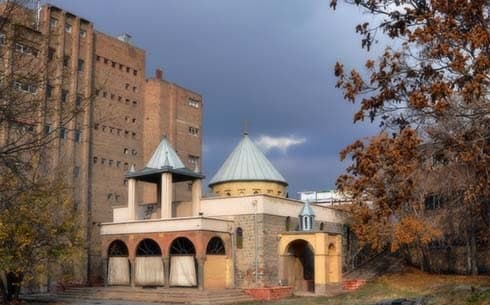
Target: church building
(247, 234)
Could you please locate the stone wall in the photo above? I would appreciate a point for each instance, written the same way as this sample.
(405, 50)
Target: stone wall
(268, 229)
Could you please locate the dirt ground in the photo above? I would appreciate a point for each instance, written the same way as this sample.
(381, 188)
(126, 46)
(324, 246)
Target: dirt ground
(411, 284)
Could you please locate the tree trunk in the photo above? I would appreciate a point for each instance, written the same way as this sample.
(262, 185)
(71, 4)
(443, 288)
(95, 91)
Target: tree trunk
(474, 265)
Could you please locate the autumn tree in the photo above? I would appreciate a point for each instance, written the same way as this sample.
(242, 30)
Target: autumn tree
(430, 95)
(39, 221)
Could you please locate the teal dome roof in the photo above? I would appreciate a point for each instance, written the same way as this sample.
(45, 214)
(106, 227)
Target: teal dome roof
(247, 163)
(164, 156)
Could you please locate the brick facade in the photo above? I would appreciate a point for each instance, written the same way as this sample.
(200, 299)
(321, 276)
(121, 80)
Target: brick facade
(122, 115)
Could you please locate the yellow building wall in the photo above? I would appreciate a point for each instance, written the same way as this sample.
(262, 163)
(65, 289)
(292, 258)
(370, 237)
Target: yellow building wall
(243, 188)
(215, 271)
(327, 249)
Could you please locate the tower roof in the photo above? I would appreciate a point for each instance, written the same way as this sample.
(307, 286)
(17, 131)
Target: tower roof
(165, 156)
(247, 163)
(307, 210)
(164, 160)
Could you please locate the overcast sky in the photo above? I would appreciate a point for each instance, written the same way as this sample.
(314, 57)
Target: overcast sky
(267, 62)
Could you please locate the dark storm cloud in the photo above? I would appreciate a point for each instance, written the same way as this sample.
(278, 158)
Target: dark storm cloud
(267, 62)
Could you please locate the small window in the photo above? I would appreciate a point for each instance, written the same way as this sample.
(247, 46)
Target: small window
(76, 171)
(53, 22)
(97, 92)
(193, 103)
(112, 96)
(288, 223)
(106, 61)
(62, 133)
(113, 64)
(51, 53)
(49, 90)
(102, 161)
(104, 94)
(81, 65)
(239, 238)
(134, 88)
(79, 101)
(83, 33)
(134, 152)
(110, 162)
(193, 131)
(128, 69)
(95, 160)
(134, 103)
(68, 28)
(193, 160)
(66, 60)
(78, 136)
(118, 163)
(133, 120)
(135, 72)
(64, 95)
(109, 196)
(98, 58)
(133, 134)
(126, 165)
(126, 151)
(96, 126)
(47, 129)
(119, 98)
(127, 86)
(120, 66)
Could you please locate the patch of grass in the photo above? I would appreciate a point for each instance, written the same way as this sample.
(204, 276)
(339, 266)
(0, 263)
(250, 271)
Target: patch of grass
(439, 289)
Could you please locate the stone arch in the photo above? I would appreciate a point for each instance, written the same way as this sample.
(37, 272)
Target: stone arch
(148, 264)
(299, 265)
(183, 264)
(118, 269)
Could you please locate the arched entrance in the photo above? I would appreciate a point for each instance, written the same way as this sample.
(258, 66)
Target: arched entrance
(118, 264)
(215, 266)
(183, 263)
(149, 264)
(299, 263)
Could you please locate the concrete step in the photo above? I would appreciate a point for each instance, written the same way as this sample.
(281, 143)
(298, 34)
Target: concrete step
(157, 295)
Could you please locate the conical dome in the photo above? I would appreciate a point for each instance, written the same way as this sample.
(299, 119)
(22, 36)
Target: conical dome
(164, 156)
(247, 163)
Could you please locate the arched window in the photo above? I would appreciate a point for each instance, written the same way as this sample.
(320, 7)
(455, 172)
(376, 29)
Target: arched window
(118, 248)
(239, 238)
(215, 246)
(148, 247)
(321, 226)
(182, 245)
(288, 223)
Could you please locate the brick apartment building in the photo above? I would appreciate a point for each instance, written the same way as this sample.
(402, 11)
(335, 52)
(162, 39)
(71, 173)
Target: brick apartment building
(123, 118)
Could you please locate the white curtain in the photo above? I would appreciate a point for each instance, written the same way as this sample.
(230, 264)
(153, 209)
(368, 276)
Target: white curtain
(183, 271)
(118, 271)
(149, 271)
